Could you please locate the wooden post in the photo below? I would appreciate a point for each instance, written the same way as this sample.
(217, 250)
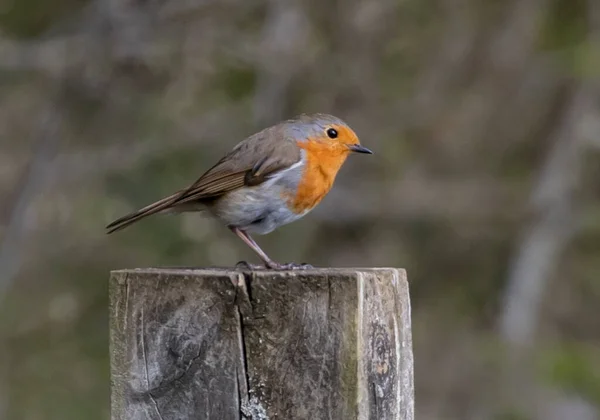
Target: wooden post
(228, 344)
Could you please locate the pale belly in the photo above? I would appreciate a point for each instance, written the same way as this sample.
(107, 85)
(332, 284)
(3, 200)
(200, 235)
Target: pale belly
(258, 210)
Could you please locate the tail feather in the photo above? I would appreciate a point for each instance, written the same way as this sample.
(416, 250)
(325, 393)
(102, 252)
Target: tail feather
(149, 210)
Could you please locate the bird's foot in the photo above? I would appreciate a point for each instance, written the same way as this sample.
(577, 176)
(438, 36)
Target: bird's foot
(290, 266)
(244, 265)
(272, 265)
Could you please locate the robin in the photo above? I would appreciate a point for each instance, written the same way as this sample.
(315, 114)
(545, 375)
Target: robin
(271, 178)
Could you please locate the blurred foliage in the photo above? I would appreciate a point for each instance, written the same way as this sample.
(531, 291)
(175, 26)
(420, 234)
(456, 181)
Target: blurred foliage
(575, 368)
(31, 18)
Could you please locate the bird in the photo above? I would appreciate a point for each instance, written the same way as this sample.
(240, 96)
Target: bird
(271, 178)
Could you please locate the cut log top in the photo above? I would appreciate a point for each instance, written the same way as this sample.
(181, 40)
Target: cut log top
(330, 343)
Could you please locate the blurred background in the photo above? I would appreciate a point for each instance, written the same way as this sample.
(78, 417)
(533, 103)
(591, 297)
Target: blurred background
(484, 117)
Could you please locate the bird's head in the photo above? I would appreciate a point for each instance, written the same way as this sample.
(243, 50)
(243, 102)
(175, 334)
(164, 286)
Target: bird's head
(325, 133)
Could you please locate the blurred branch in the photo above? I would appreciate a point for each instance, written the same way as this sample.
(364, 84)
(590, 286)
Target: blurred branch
(53, 54)
(11, 246)
(548, 235)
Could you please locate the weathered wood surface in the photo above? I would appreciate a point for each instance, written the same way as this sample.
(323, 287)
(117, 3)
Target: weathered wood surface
(226, 344)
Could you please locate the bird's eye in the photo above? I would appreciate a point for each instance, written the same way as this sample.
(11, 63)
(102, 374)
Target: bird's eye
(332, 133)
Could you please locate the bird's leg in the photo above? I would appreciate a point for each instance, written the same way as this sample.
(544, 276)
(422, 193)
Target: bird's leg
(269, 263)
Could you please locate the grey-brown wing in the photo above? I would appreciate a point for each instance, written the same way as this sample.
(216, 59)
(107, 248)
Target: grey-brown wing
(251, 162)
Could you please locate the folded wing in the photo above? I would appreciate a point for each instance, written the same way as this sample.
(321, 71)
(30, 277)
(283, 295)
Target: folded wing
(250, 163)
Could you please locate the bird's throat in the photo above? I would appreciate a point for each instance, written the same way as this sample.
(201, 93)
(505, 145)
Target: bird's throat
(320, 169)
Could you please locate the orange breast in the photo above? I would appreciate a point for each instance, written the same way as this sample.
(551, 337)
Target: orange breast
(321, 167)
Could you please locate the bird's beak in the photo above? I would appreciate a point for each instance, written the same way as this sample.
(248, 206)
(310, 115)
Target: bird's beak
(357, 148)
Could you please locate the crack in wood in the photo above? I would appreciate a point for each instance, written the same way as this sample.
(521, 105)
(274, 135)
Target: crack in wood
(149, 392)
(281, 346)
(244, 355)
(375, 399)
(328, 295)
(126, 314)
(242, 299)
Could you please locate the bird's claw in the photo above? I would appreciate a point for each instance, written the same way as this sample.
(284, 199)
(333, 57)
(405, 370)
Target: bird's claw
(291, 266)
(244, 265)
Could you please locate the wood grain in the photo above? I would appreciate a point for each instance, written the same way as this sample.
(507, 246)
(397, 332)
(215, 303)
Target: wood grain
(227, 344)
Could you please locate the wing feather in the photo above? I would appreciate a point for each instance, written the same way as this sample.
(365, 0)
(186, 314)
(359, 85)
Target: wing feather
(250, 163)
